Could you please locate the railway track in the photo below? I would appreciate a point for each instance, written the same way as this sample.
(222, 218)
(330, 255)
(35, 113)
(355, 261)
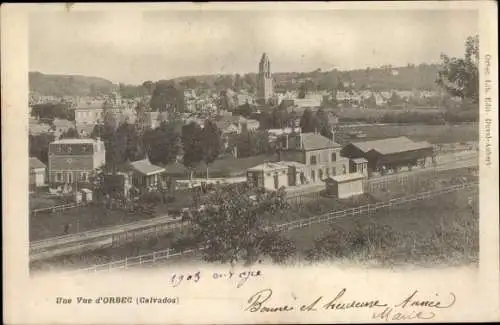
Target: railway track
(330, 217)
(114, 235)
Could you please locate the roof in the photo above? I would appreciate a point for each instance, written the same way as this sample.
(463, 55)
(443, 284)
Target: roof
(268, 167)
(292, 164)
(346, 177)
(383, 145)
(146, 167)
(314, 141)
(35, 163)
(74, 141)
(359, 160)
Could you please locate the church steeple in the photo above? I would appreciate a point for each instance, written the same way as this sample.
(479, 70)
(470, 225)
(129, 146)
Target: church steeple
(264, 80)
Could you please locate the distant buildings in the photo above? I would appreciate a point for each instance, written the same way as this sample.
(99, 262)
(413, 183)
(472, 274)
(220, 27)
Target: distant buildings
(235, 124)
(73, 160)
(264, 81)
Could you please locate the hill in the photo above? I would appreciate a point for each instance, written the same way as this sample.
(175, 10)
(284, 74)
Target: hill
(421, 77)
(67, 85)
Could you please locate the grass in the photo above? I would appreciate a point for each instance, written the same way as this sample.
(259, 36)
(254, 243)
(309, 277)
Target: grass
(435, 231)
(431, 133)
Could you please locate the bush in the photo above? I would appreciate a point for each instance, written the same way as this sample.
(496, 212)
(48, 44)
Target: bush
(152, 198)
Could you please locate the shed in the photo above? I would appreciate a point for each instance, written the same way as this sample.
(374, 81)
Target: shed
(390, 153)
(345, 186)
(86, 195)
(359, 165)
(37, 172)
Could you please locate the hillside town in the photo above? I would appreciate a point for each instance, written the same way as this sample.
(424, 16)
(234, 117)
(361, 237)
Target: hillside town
(165, 153)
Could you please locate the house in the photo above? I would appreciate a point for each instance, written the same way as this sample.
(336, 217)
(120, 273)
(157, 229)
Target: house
(38, 172)
(251, 125)
(145, 175)
(274, 175)
(235, 124)
(73, 160)
(320, 156)
(391, 154)
(89, 115)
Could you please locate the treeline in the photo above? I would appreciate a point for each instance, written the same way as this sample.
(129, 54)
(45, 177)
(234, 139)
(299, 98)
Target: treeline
(408, 117)
(50, 111)
(188, 144)
(61, 85)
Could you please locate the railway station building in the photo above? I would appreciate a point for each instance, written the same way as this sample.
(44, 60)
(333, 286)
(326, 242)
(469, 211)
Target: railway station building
(389, 155)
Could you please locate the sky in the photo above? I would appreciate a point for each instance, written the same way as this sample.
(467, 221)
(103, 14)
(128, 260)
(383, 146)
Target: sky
(134, 46)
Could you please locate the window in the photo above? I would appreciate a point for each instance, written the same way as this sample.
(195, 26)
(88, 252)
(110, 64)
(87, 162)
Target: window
(59, 177)
(313, 175)
(344, 170)
(313, 160)
(334, 171)
(70, 177)
(320, 173)
(334, 156)
(83, 176)
(327, 172)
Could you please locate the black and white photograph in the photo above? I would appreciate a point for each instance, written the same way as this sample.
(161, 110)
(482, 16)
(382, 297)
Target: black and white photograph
(252, 138)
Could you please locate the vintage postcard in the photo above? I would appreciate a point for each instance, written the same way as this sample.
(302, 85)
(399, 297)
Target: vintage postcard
(250, 163)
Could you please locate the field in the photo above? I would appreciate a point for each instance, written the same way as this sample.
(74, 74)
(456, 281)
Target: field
(417, 132)
(443, 230)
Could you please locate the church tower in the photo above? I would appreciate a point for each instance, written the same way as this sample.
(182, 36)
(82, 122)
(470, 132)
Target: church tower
(264, 80)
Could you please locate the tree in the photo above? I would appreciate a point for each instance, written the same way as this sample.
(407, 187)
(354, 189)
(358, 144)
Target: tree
(71, 133)
(192, 135)
(39, 146)
(308, 121)
(130, 142)
(460, 76)
(163, 144)
(149, 86)
(280, 117)
(253, 143)
(211, 142)
(167, 98)
(302, 91)
(190, 83)
(322, 123)
(51, 111)
(226, 100)
(238, 82)
(233, 227)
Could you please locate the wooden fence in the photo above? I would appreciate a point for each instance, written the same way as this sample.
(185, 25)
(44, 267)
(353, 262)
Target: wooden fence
(296, 224)
(57, 208)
